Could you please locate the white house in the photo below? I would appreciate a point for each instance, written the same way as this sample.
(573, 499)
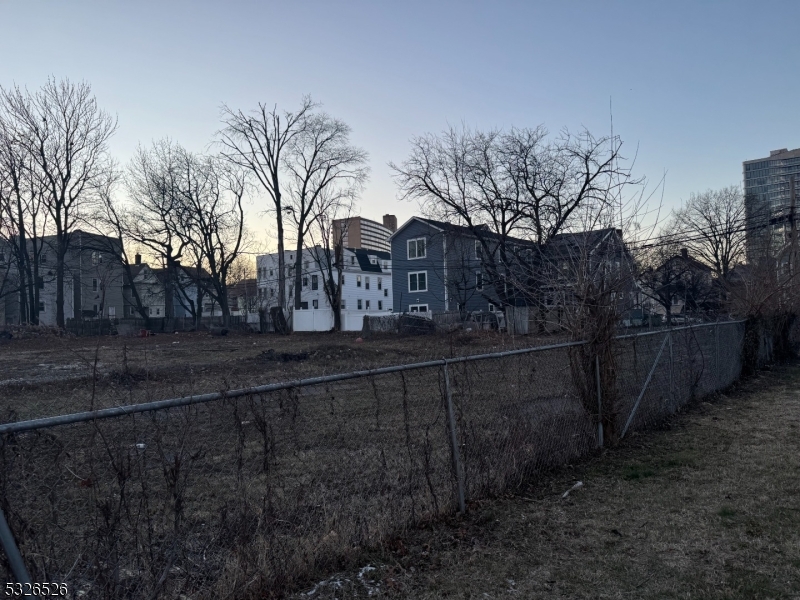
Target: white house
(366, 277)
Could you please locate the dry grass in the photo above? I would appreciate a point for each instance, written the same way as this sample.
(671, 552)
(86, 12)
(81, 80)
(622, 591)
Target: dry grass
(709, 508)
(51, 375)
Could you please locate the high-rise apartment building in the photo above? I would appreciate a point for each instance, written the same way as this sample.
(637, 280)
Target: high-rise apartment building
(771, 186)
(358, 232)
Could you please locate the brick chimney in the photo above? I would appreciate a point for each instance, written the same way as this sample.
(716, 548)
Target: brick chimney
(390, 222)
(138, 259)
(684, 252)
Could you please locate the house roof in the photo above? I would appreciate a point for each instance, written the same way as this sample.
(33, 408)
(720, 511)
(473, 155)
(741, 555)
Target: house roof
(462, 230)
(364, 263)
(243, 288)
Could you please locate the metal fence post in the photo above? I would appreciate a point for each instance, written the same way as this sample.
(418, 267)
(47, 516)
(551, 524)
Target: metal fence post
(716, 350)
(599, 402)
(457, 464)
(671, 384)
(12, 552)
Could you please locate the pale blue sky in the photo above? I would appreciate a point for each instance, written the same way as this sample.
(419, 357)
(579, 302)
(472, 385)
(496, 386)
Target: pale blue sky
(697, 86)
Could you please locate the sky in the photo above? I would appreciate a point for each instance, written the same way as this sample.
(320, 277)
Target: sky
(694, 88)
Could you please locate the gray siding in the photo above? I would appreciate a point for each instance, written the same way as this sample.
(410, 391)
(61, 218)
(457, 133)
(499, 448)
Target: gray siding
(432, 264)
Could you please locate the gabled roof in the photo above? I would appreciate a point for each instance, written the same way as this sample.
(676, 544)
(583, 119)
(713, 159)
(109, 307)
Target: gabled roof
(443, 226)
(364, 263)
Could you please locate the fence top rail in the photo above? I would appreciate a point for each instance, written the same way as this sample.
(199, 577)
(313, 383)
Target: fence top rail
(121, 411)
(671, 329)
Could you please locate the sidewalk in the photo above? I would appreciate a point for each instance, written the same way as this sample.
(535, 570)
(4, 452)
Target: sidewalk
(709, 508)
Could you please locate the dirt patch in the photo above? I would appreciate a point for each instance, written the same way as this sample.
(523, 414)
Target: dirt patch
(707, 508)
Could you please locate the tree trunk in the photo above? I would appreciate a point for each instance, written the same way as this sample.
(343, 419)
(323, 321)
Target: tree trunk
(298, 275)
(61, 255)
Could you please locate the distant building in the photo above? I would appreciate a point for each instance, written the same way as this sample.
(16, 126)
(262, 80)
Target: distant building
(769, 185)
(366, 277)
(93, 279)
(358, 232)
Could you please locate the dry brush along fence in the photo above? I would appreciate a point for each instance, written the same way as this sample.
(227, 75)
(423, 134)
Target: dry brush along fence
(248, 492)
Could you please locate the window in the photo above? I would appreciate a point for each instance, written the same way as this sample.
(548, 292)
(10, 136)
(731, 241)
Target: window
(359, 304)
(158, 311)
(491, 307)
(478, 250)
(94, 285)
(43, 258)
(418, 282)
(270, 272)
(112, 312)
(342, 304)
(416, 248)
(40, 282)
(352, 260)
(304, 306)
(342, 278)
(41, 307)
(305, 281)
(380, 304)
(386, 293)
(366, 283)
(380, 283)
(366, 305)
(479, 281)
(314, 282)
(418, 308)
(315, 303)
(97, 258)
(358, 280)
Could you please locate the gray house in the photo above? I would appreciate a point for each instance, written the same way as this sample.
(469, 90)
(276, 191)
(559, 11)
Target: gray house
(93, 279)
(438, 267)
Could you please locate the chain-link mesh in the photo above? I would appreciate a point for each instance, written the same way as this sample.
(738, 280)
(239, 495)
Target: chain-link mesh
(240, 496)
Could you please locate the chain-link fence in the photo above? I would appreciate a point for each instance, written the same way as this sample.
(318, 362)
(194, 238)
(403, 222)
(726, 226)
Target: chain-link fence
(255, 491)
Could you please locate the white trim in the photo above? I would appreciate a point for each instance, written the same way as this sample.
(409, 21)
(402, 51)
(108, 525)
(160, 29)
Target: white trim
(418, 288)
(416, 241)
(418, 306)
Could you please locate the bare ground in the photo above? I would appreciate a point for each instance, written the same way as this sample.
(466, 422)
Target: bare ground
(53, 375)
(707, 508)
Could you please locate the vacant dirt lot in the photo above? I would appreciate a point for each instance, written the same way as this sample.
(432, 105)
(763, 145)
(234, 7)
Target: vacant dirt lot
(709, 508)
(53, 375)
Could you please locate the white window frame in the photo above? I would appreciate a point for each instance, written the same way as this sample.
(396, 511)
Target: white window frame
(492, 308)
(412, 307)
(343, 304)
(315, 303)
(417, 273)
(358, 280)
(416, 248)
(366, 283)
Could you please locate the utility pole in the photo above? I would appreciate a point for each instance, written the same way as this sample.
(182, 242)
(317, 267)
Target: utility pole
(793, 225)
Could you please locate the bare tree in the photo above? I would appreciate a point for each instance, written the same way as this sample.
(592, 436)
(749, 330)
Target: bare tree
(711, 225)
(257, 141)
(66, 134)
(511, 186)
(216, 230)
(324, 172)
(23, 220)
(327, 250)
(156, 182)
